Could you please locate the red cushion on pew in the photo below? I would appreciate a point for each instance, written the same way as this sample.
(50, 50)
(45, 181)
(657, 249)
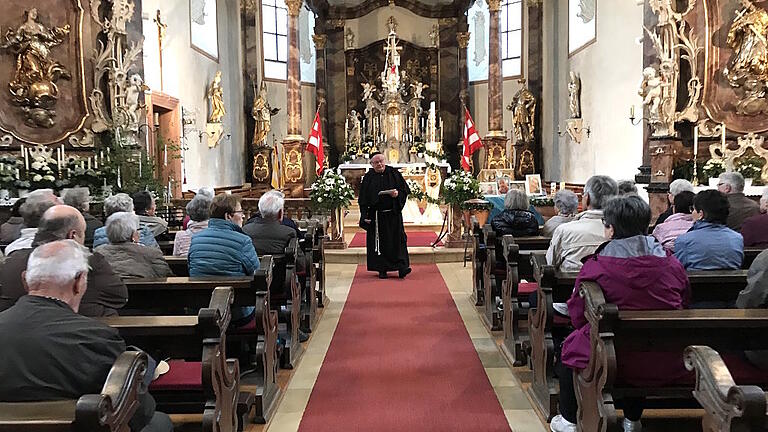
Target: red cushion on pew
(527, 287)
(182, 375)
(560, 320)
(248, 328)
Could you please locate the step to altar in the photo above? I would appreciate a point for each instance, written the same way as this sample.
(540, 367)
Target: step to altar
(418, 255)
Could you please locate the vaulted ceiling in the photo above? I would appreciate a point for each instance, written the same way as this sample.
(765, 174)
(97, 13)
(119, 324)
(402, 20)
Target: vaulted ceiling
(349, 9)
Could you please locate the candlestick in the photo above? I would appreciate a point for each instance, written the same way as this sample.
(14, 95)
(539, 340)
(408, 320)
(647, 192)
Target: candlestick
(26, 159)
(695, 142)
(722, 137)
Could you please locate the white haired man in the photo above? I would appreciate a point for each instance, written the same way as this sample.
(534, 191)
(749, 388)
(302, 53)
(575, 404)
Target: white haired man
(122, 203)
(129, 259)
(32, 210)
(80, 198)
(677, 186)
(740, 207)
(52, 352)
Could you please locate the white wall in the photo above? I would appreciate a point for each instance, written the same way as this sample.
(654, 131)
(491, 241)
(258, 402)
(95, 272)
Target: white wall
(610, 73)
(373, 26)
(186, 76)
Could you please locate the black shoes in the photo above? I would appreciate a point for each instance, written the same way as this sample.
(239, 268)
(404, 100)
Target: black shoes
(383, 275)
(402, 273)
(303, 337)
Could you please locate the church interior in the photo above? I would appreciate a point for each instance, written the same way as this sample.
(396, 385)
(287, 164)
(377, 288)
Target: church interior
(384, 215)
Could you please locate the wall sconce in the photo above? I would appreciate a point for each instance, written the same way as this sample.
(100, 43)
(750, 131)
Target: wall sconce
(575, 129)
(632, 119)
(214, 134)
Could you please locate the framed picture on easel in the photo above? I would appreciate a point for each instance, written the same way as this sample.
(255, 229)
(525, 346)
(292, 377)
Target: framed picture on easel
(204, 28)
(533, 184)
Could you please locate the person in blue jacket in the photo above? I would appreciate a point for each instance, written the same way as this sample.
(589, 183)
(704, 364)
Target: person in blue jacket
(223, 249)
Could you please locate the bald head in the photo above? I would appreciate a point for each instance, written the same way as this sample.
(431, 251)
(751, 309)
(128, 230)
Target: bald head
(63, 222)
(58, 269)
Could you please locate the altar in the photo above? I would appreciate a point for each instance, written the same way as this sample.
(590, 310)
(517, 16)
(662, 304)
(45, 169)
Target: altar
(354, 172)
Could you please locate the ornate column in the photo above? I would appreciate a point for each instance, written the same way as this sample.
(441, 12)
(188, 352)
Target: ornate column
(320, 86)
(496, 141)
(449, 104)
(294, 142)
(463, 40)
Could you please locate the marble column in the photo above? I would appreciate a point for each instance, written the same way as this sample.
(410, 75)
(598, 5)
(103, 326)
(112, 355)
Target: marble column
(449, 104)
(320, 87)
(463, 40)
(495, 141)
(295, 173)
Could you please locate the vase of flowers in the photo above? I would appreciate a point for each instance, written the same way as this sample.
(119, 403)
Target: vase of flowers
(331, 193)
(751, 168)
(712, 169)
(457, 191)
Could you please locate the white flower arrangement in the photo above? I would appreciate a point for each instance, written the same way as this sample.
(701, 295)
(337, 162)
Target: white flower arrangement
(331, 191)
(460, 187)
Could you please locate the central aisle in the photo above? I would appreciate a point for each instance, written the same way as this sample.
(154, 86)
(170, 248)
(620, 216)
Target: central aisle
(401, 360)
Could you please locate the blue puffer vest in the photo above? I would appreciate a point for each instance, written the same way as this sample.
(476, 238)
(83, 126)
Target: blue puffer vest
(222, 250)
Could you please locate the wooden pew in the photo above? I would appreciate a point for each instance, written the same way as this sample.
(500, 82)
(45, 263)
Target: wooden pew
(750, 254)
(309, 301)
(203, 380)
(728, 407)
(179, 294)
(614, 332)
(318, 257)
(556, 287)
(479, 256)
(286, 292)
(107, 411)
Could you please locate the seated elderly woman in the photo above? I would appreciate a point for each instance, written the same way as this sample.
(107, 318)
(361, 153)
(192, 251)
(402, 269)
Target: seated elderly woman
(516, 219)
(710, 244)
(635, 273)
(129, 259)
(627, 187)
(566, 205)
(80, 198)
(198, 210)
(678, 223)
(122, 203)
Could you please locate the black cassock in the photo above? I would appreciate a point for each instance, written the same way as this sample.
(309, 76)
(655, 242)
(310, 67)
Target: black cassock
(386, 242)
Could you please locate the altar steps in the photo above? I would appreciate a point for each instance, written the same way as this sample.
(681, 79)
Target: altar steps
(418, 255)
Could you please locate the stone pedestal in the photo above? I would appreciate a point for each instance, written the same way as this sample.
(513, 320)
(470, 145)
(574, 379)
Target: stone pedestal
(455, 238)
(663, 154)
(496, 156)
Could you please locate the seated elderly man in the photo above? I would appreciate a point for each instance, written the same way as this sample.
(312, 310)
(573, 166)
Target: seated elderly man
(269, 235)
(51, 352)
(566, 205)
(106, 292)
(755, 296)
(677, 186)
(80, 198)
(144, 206)
(573, 241)
(10, 230)
(740, 207)
(32, 210)
(755, 229)
(122, 203)
(129, 259)
(198, 212)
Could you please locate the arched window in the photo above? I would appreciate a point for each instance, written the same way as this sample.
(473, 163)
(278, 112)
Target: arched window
(274, 25)
(511, 29)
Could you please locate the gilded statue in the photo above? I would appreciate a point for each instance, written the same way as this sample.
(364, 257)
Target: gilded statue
(574, 95)
(33, 86)
(748, 67)
(523, 107)
(262, 113)
(216, 95)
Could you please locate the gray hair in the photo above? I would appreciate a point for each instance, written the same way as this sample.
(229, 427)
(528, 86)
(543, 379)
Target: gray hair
(199, 208)
(270, 204)
(566, 202)
(206, 191)
(600, 188)
(629, 216)
(120, 227)
(56, 263)
(35, 206)
(733, 179)
(516, 200)
(680, 185)
(78, 198)
(121, 202)
(627, 187)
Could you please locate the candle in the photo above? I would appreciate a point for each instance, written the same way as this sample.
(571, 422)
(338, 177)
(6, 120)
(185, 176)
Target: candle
(119, 183)
(17, 174)
(22, 150)
(722, 137)
(105, 182)
(695, 142)
(140, 158)
(562, 185)
(632, 112)
(165, 154)
(26, 159)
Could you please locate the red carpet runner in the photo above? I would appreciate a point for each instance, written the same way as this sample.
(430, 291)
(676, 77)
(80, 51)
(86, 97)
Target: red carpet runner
(415, 239)
(401, 360)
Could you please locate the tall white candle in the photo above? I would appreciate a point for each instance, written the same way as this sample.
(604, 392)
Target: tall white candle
(695, 142)
(722, 137)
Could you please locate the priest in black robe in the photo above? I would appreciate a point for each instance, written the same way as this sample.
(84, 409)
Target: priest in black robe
(383, 194)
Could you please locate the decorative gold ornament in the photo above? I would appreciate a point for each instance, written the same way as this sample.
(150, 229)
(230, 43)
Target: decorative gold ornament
(497, 157)
(527, 163)
(262, 113)
(523, 107)
(747, 70)
(33, 86)
(720, 151)
(320, 40)
(216, 95)
(294, 169)
(260, 167)
(294, 7)
(463, 39)
(494, 5)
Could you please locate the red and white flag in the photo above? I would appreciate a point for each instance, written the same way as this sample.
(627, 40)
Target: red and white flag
(472, 141)
(315, 143)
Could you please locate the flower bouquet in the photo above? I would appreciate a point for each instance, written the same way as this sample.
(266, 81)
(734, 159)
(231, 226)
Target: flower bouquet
(331, 193)
(712, 169)
(10, 167)
(750, 167)
(417, 193)
(460, 187)
(41, 172)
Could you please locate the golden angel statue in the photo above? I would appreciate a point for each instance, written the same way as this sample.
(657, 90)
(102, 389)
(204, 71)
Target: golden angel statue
(216, 95)
(33, 85)
(748, 67)
(262, 113)
(523, 107)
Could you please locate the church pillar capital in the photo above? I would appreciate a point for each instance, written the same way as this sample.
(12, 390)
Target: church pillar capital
(294, 7)
(494, 5)
(320, 41)
(463, 39)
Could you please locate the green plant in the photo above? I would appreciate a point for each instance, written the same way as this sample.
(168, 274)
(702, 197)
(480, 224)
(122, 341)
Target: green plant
(41, 174)
(417, 192)
(477, 204)
(331, 191)
(713, 168)
(542, 201)
(750, 167)
(10, 169)
(460, 187)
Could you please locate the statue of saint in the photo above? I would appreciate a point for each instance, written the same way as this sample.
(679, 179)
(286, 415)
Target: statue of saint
(132, 94)
(216, 95)
(262, 113)
(651, 89)
(574, 95)
(748, 67)
(368, 89)
(33, 85)
(418, 89)
(523, 107)
(353, 128)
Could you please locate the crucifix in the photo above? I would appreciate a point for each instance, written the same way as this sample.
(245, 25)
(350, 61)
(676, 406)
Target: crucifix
(161, 28)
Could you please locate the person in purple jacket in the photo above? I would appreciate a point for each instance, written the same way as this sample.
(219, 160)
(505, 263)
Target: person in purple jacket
(635, 273)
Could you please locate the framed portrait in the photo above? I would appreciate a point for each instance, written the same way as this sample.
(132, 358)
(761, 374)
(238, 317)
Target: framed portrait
(582, 24)
(489, 188)
(533, 184)
(502, 184)
(517, 185)
(203, 28)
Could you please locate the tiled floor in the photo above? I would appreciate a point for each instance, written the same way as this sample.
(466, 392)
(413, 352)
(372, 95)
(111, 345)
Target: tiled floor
(516, 407)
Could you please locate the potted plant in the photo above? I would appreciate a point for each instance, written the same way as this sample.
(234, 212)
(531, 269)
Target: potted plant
(458, 190)
(544, 205)
(10, 168)
(751, 168)
(331, 193)
(41, 172)
(712, 169)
